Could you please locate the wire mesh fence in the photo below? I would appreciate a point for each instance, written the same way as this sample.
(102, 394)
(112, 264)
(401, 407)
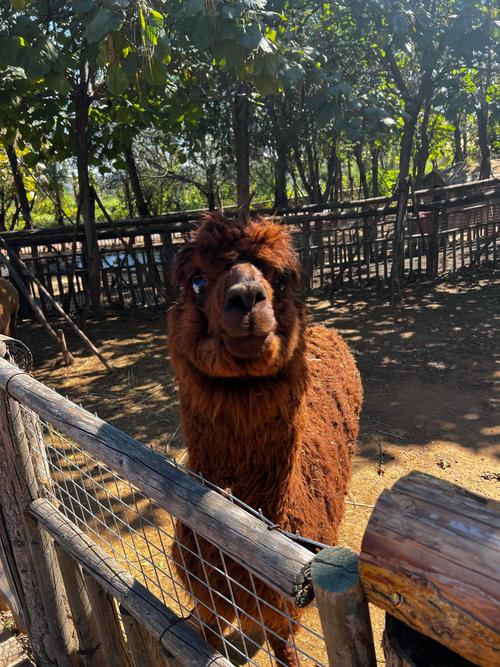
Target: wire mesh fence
(231, 607)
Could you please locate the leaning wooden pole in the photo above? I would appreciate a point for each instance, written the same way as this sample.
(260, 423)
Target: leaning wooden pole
(60, 341)
(36, 308)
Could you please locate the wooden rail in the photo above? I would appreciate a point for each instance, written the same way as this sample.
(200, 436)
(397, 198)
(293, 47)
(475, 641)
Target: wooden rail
(165, 626)
(278, 561)
(431, 557)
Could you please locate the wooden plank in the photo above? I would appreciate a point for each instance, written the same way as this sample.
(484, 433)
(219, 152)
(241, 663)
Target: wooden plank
(144, 649)
(90, 647)
(173, 633)
(275, 559)
(431, 557)
(343, 609)
(108, 623)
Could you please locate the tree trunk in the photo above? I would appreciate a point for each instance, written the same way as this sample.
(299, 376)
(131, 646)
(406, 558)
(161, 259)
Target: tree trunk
(458, 155)
(211, 191)
(280, 170)
(315, 192)
(424, 148)
(358, 154)
(339, 187)
(375, 152)
(482, 132)
(19, 184)
(128, 198)
(331, 171)
(241, 122)
(412, 109)
(350, 178)
(86, 195)
(140, 202)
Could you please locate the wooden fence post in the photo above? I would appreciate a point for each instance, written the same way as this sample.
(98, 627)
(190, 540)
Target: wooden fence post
(145, 650)
(343, 609)
(167, 255)
(90, 648)
(45, 609)
(306, 256)
(433, 245)
(106, 614)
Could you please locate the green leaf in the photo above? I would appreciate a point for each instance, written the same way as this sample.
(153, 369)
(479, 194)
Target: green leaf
(18, 4)
(105, 21)
(58, 82)
(41, 58)
(155, 19)
(116, 80)
(81, 7)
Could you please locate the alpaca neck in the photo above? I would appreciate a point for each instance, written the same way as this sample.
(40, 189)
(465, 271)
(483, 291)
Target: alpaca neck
(246, 433)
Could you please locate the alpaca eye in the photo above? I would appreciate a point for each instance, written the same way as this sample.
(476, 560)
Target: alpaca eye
(199, 284)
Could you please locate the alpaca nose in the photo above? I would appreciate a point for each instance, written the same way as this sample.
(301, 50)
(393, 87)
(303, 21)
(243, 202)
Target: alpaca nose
(244, 296)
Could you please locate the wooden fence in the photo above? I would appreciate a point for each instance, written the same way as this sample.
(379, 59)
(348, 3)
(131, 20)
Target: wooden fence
(87, 522)
(341, 246)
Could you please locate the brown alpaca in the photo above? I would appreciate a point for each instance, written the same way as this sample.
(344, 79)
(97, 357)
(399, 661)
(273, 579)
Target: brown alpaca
(9, 306)
(269, 407)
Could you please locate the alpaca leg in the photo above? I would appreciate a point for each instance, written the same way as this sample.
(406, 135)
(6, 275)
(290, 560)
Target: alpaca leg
(284, 651)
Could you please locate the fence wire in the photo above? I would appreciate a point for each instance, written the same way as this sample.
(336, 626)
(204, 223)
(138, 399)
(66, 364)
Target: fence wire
(230, 607)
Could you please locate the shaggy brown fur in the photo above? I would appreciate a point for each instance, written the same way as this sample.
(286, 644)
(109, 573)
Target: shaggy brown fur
(9, 306)
(269, 407)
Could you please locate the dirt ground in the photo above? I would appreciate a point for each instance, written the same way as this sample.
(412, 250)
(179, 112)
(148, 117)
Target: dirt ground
(430, 368)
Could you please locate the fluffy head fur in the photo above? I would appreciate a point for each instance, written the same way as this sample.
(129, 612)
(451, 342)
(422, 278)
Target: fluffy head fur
(226, 253)
(269, 407)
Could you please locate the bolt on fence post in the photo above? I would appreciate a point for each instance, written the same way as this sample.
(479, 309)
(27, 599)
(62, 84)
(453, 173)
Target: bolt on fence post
(343, 609)
(44, 600)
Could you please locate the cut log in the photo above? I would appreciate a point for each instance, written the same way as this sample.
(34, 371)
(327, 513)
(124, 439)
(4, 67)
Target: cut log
(431, 557)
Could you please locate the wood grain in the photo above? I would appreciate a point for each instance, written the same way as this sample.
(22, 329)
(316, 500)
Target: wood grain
(431, 557)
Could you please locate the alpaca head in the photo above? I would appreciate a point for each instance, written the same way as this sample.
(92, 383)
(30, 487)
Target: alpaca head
(238, 312)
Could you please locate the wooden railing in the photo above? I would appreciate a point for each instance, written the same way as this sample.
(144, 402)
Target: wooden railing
(85, 543)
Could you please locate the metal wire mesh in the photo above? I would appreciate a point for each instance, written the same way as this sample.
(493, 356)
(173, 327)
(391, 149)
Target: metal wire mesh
(230, 607)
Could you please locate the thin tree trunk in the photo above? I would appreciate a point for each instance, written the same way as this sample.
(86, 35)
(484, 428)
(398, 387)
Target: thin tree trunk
(140, 201)
(280, 170)
(458, 155)
(302, 173)
(482, 112)
(331, 171)
(358, 154)
(86, 197)
(19, 184)
(241, 123)
(350, 178)
(424, 148)
(211, 192)
(128, 198)
(375, 152)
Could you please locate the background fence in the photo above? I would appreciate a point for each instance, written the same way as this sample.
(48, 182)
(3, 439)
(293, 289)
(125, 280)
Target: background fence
(342, 246)
(117, 556)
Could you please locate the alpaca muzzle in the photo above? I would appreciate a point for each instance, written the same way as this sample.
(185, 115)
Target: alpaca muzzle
(248, 319)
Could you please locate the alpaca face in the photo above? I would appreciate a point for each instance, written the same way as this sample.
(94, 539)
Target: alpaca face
(238, 313)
